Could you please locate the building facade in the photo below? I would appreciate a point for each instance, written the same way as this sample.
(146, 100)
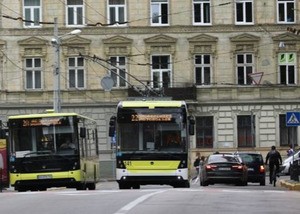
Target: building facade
(201, 51)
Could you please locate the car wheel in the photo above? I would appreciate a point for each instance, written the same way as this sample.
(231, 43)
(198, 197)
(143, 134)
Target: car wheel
(204, 183)
(263, 182)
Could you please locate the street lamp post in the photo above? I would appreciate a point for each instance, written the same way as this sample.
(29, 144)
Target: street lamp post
(56, 42)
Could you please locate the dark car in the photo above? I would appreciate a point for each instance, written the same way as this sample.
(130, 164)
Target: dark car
(223, 168)
(256, 168)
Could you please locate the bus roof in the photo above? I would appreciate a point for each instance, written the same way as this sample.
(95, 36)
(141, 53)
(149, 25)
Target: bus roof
(151, 104)
(52, 114)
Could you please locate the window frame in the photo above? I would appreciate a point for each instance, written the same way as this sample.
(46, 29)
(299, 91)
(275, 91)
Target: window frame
(246, 79)
(76, 68)
(117, 15)
(32, 13)
(247, 129)
(33, 71)
(75, 20)
(119, 68)
(202, 11)
(202, 130)
(161, 71)
(156, 2)
(285, 3)
(202, 65)
(245, 13)
(290, 132)
(287, 65)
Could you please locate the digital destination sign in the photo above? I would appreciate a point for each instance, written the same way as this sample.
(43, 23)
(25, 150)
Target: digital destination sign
(42, 122)
(151, 117)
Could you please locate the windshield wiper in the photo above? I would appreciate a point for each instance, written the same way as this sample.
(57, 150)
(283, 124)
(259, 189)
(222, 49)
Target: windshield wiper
(38, 153)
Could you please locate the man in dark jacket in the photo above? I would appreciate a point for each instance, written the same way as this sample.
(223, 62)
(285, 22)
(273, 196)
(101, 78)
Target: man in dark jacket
(275, 159)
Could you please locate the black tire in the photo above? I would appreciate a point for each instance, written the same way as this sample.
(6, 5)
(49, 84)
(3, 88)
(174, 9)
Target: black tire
(81, 187)
(124, 186)
(262, 182)
(91, 186)
(136, 186)
(204, 183)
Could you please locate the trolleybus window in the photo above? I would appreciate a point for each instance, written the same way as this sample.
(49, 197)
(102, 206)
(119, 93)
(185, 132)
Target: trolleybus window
(152, 132)
(37, 136)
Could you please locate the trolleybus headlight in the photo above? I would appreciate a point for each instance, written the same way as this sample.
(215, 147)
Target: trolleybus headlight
(182, 164)
(120, 164)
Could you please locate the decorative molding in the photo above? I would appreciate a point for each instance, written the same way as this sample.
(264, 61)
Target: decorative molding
(33, 46)
(160, 44)
(291, 42)
(203, 44)
(75, 45)
(117, 45)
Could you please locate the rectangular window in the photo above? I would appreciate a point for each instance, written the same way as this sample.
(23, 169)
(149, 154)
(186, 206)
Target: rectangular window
(203, 69)
(286, 11)
(161, 71)
(288, 134)
(287, 68)
(244, 66)
(202, 12)
(159, 12)
(204, 132)
(76, 72)
(244, 11)
(75, 12)
(246, 130)
(33, 69)
(117, 12)
(118, 71)
(32, 12)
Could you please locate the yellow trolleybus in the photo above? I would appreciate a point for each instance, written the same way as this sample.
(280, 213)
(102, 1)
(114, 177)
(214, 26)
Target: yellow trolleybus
(152, 141)
(53, 150)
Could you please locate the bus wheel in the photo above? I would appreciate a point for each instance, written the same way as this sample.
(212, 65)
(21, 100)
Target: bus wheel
(91, 186)
(81, 187)
(124, 186)
(136, 186)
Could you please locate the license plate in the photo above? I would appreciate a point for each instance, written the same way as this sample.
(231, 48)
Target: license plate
(44, 176)
(224, 168)
(250, 169)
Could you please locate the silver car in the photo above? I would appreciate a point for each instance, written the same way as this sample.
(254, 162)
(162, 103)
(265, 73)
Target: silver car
(285, 168)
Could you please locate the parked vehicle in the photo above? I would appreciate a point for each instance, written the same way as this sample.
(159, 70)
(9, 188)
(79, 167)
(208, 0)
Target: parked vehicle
(285, 167)
(256, 168)
(223, 168)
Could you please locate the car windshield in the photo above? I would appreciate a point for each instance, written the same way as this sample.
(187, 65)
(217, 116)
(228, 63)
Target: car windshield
(222, 159)
(251, 158)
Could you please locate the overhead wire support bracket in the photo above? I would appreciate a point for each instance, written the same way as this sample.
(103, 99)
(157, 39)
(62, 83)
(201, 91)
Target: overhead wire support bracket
(100, 61)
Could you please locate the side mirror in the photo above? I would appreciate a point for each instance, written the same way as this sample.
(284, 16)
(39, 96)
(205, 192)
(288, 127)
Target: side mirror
(112, 126)
(191, 125)
(82, 132)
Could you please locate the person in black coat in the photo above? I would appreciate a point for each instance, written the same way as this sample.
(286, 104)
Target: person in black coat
(274, 159)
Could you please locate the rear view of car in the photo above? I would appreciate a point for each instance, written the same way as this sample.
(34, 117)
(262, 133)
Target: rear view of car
(255, 164)
(223, 168)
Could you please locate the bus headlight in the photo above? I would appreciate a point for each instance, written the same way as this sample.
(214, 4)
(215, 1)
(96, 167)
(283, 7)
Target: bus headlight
(120, 164)
(183, 164)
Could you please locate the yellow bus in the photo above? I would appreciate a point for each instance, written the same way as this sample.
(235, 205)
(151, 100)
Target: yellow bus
(53, 150)
(152, 143)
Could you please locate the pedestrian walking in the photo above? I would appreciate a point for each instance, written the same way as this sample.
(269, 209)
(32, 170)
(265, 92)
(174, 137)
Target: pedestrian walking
(274, 159)
(290, 152)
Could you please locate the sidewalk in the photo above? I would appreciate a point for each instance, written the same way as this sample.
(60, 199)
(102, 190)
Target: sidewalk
(290, 184)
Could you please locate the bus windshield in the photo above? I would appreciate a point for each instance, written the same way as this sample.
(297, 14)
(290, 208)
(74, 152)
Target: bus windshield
(41, 136)
(152, 136)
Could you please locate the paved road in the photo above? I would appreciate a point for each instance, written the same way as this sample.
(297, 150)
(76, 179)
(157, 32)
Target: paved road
(108, 199)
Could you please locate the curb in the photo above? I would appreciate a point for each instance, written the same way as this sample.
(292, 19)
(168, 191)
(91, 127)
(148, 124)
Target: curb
(290, 186)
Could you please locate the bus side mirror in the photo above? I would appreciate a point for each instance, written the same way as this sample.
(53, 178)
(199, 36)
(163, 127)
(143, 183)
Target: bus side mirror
(191, 125)
(112, 126)
(82, 132)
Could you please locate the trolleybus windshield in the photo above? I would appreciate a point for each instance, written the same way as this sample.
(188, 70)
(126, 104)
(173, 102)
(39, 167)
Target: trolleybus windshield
(41, 136)
(153, 130)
